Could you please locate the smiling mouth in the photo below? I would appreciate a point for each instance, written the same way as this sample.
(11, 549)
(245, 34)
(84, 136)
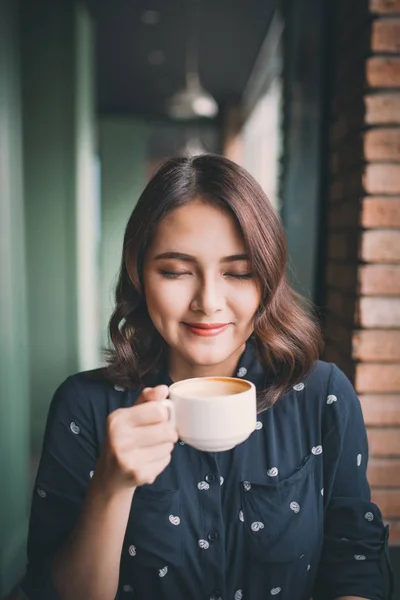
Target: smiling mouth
(206, 329)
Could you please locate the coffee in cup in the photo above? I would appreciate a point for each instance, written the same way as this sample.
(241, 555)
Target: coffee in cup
(213, 414)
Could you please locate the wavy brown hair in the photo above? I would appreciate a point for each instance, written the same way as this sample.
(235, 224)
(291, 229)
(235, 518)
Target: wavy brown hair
(287, 336)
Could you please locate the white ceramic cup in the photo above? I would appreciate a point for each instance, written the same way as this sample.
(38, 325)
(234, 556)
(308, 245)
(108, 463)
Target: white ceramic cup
(213, 414)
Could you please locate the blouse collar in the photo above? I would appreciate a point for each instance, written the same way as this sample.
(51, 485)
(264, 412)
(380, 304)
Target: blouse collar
(249, 367)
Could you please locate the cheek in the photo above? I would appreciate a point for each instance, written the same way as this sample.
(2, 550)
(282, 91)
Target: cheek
(245, 303)
(162, 299)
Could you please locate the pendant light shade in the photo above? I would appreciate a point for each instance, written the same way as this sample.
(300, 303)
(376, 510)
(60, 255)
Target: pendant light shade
(193, 101)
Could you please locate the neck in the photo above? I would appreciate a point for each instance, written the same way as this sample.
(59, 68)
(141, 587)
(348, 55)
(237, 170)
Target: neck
(179, 368)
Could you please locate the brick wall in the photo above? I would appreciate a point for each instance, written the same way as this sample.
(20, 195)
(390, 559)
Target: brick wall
(362, 274)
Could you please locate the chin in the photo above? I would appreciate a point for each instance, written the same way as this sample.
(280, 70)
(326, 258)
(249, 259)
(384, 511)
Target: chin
(207, 357)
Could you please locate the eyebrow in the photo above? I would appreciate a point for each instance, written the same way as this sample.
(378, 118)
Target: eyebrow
(188, 258)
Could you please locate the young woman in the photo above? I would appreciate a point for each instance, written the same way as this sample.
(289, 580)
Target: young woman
(121, 508)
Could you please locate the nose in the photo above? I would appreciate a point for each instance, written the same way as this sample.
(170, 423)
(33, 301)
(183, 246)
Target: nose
(209, 297)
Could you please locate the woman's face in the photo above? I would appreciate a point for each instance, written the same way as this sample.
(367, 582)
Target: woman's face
(200, 292)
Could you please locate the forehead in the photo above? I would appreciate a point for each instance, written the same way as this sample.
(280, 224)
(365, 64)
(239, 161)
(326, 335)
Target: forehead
(198, 228)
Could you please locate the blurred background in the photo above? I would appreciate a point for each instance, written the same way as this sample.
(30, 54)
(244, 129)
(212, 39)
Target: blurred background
(94, 94)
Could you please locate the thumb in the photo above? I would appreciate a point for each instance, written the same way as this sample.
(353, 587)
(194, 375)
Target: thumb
(155, 394)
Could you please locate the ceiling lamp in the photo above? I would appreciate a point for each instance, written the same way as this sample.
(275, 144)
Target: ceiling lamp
(192, 101)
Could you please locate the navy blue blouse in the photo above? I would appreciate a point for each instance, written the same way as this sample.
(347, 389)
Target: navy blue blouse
(286, 514)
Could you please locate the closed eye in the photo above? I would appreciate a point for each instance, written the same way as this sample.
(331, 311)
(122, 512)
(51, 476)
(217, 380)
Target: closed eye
(173, 274)
(242, 276)
(178, 274)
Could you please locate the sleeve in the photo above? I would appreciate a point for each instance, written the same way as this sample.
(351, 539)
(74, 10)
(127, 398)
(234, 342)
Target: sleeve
(67, 462)
(354, 560)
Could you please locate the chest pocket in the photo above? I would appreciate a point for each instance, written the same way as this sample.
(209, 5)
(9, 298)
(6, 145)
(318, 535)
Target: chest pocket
(154, 534)
(283, 521)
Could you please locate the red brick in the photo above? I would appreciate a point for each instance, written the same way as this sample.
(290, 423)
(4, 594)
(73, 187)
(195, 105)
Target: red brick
(384, 6)
(352, 209)
(381, 409)
(372, 378)
(380, 212)
(384, 441)
(382, 108)
(376, 345)
(385, 35)
(388, 501)
(379, 312)
(378, 280)
(382, 179)
(394, 539)
(382, 145)
(380, 245)
(384, 472)
(383, 72)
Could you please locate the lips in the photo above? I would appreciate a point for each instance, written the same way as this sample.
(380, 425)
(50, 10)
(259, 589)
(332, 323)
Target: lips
(206, 329)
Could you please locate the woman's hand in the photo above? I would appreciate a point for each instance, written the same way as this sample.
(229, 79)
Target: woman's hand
(138, 443)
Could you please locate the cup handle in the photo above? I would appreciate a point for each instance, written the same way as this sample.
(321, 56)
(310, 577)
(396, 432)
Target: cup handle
(171, 410)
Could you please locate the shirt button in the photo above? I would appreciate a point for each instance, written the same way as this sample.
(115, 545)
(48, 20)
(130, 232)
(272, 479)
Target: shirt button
(213, 536)
(210, 477)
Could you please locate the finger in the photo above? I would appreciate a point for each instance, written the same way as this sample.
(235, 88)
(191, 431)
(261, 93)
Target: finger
(154, 435)
(154, 453)
(159, 465)
(151, 471)
(149, 413)
(155, 394)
